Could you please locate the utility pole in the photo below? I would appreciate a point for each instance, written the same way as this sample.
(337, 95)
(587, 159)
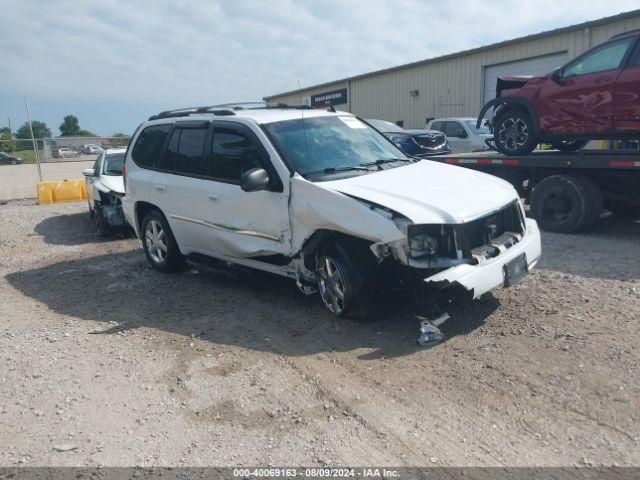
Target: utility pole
(35, 145)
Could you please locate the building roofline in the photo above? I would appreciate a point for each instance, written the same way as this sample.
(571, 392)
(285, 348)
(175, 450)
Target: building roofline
(449, 56)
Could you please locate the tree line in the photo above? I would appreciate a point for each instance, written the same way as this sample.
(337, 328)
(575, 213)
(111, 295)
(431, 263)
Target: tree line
(70, 127)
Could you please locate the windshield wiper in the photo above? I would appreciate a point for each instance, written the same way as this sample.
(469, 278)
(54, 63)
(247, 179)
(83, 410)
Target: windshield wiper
(382, 161)
(342, 169)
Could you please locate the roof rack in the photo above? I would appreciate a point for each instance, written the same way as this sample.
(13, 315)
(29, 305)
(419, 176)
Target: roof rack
(223, 109)
(185, 112)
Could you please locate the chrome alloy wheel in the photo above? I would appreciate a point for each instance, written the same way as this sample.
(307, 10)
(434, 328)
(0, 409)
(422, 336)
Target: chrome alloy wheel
(331, 285)
(156, 241)
(513, 133)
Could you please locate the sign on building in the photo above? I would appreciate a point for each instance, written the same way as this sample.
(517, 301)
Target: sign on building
(334, 97)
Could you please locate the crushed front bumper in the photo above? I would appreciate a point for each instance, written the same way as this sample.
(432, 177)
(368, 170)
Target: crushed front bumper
(484, 277)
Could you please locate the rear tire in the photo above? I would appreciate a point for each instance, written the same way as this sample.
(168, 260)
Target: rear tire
(159, 244)
(346, 279)
(514, 134)
(595, 200)
(562, 203)
(569, 145)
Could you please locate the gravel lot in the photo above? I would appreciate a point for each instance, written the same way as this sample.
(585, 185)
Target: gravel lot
(106, 362)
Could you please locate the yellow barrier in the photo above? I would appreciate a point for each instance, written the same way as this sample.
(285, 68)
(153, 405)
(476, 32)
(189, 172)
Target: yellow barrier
(64, 191)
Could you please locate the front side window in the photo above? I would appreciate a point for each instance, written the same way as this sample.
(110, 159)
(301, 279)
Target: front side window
(606, 57)
(149, 144)
(318, 143)
(233, 154)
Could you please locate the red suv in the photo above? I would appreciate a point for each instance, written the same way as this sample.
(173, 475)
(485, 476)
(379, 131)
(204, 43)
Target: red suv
(595, 96)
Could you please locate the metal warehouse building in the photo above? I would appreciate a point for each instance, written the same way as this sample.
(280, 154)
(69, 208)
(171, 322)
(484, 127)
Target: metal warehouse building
(457, 84)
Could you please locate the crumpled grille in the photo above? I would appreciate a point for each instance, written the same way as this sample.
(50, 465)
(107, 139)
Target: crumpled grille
(481, 231)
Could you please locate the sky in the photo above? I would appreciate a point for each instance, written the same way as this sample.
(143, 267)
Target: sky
(113, 63)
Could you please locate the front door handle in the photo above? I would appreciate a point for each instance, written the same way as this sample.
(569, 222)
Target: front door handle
(213, 198)
(160, 188)
(603, 79)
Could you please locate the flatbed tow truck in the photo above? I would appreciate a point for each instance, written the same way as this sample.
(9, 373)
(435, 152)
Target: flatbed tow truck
(566, 191)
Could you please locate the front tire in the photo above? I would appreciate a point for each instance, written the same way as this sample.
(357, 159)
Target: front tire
(569, 145)
(514, 134)
(159, 244)
(346, 279)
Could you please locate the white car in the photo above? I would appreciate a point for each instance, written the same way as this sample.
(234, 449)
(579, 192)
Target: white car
(64, 152)
(105, 190)
(91, 149)
(322, 198)
(462, 134)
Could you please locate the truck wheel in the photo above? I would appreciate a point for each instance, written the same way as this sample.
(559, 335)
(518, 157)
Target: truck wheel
(561, 203)
(513, 133)
(569, 145)
(345, 279)
(159, 244)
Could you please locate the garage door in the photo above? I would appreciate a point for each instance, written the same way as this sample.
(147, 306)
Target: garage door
(529, 66)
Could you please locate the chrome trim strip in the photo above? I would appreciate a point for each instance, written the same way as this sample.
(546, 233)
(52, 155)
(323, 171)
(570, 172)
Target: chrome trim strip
(226, 228)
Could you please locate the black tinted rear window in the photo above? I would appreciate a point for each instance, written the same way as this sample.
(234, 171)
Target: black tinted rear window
(149, 144)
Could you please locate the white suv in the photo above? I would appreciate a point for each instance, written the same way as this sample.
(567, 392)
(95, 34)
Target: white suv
(322, 198)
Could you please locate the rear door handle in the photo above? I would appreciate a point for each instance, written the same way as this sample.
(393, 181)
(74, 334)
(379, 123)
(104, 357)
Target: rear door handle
(603, 79)
(160, 188)
(213, 198)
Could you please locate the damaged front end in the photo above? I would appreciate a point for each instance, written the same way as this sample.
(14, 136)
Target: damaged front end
(110, 208)
(442, 256)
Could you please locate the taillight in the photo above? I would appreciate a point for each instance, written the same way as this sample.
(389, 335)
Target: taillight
(124, 177)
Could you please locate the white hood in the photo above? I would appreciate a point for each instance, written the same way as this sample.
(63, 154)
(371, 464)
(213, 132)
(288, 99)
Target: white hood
(110, 182)
(430, 192)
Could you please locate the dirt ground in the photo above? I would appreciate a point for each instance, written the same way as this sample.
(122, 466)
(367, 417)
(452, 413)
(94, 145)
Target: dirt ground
(104, 361)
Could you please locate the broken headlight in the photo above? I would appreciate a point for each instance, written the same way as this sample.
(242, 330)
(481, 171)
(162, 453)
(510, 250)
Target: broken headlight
(431, 241)
(422, 245)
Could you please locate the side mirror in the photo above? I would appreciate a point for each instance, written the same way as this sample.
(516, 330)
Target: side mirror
(88, 172)
(460, 133)
(556, 75)
(255, 180)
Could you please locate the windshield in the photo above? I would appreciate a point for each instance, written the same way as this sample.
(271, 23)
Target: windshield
(385, 126)
(112, 164)
(320, 143)
(472, 126)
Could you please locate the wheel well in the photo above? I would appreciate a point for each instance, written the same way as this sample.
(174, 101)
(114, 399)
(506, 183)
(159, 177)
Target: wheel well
(142, 208)
(320, 238)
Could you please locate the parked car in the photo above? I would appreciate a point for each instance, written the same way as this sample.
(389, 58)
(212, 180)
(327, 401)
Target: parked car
(415, 143)
(64, 152)
(6, 159)
(462, 134)
(91, 149)
(105, 189)
(594, 96)
(322, 198)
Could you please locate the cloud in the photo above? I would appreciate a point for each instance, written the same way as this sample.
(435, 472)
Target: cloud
(138, 57)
